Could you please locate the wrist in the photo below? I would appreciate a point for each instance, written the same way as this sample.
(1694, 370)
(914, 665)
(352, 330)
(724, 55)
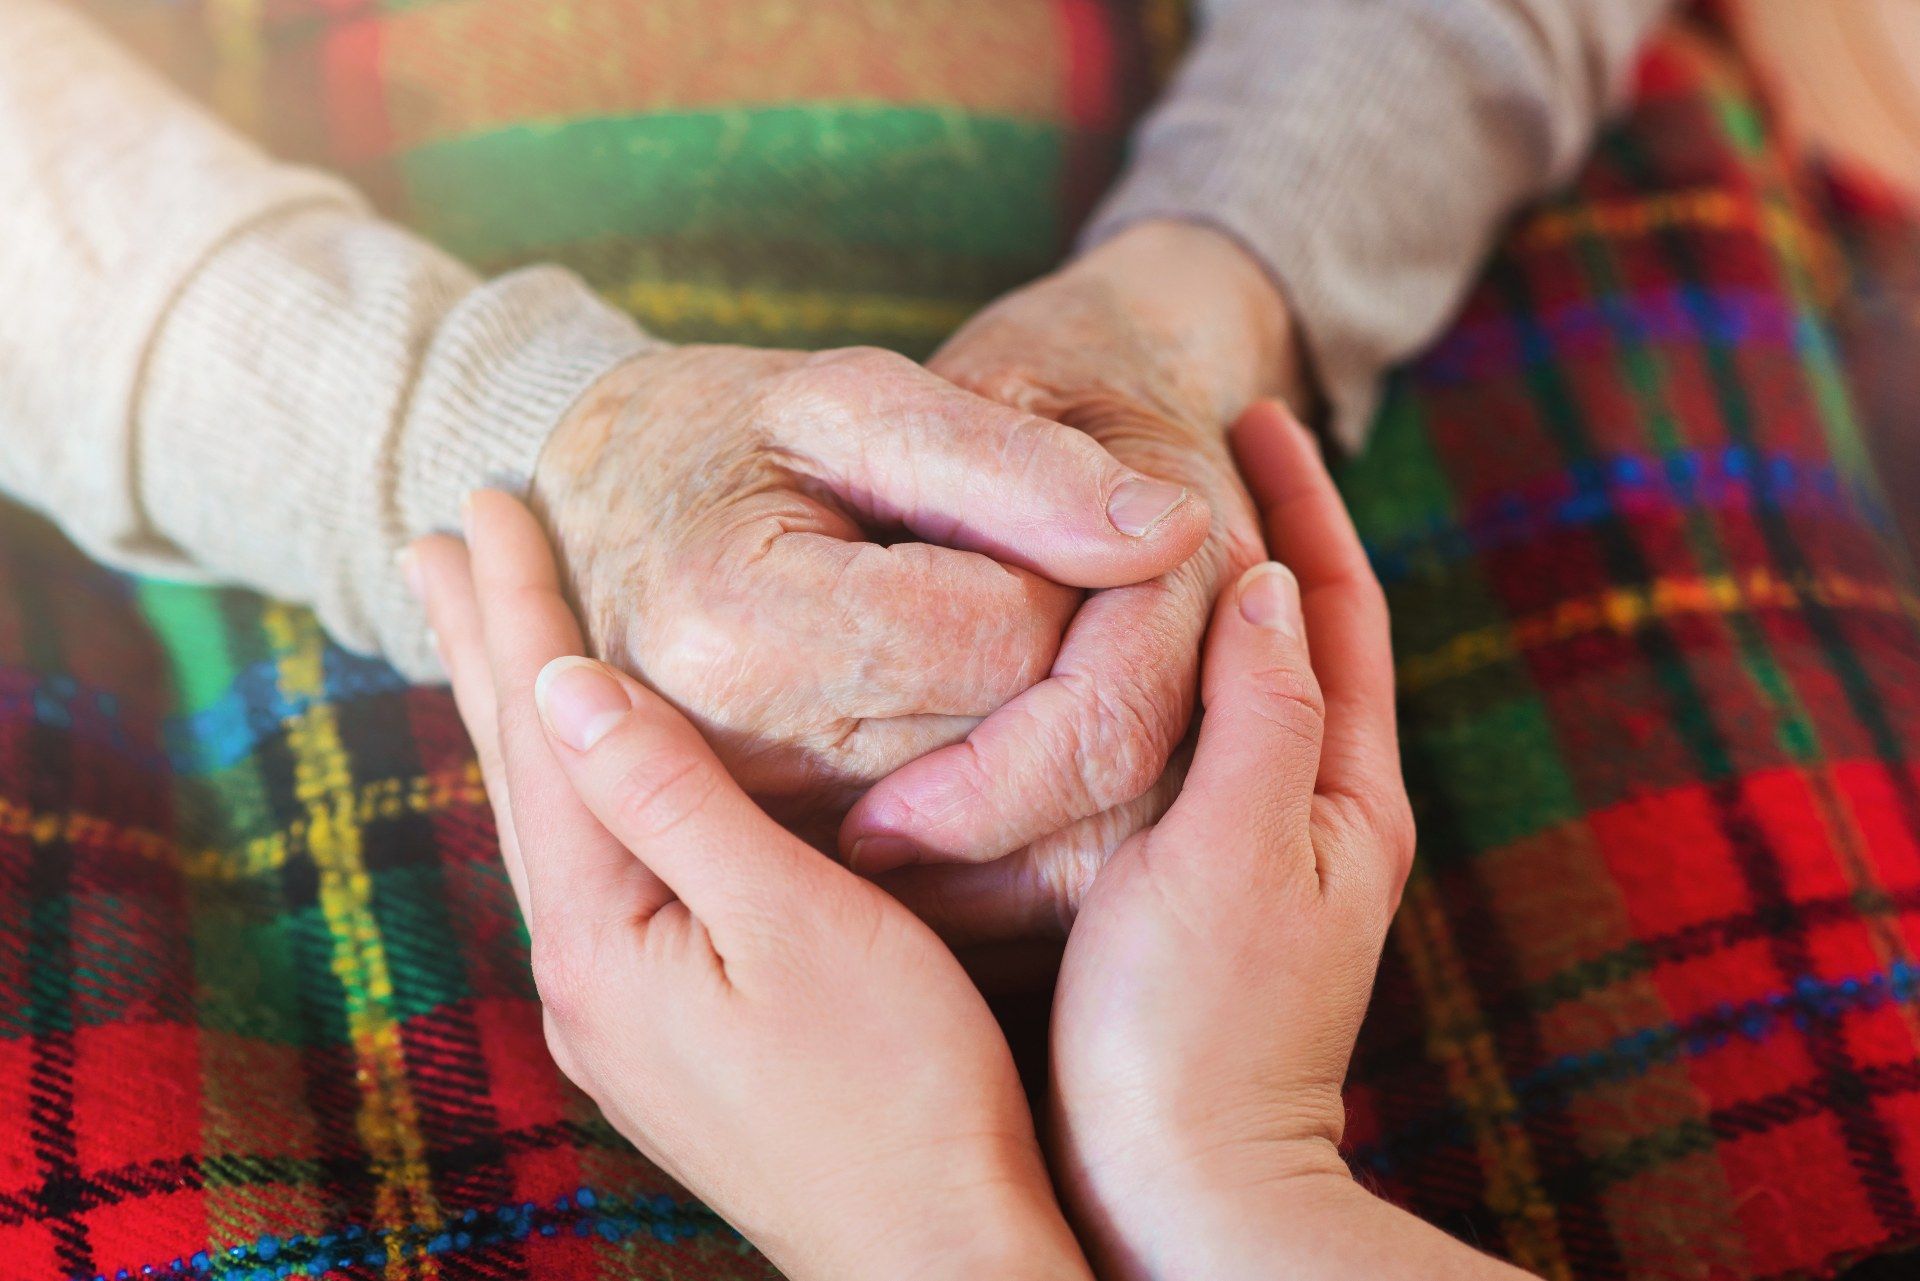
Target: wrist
(590, 424)
(1215, 301)
(1189, 1204)
(996, 1238)
(945, 1222)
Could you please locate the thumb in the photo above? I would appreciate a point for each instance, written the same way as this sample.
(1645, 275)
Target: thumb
(968, 472)
(1251, 787)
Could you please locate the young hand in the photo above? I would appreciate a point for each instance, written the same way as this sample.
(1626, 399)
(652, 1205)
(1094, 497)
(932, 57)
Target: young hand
(1216, 978)
(777, 1034)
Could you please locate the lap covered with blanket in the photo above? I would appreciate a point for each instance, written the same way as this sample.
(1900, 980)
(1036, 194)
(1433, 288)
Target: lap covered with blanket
(1652, 1006)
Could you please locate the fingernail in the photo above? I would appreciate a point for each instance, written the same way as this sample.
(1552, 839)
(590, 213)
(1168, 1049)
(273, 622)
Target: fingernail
(579, 701)
(1138, 506)
(409, 565)
(873, 854)
(1270, 597)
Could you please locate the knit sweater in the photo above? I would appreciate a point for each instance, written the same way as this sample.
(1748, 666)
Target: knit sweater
(214, 365)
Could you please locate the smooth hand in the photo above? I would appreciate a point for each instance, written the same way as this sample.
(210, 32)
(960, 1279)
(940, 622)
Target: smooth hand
(777, 1034)
(730, 523)
(1151, 344)
(1216, 978)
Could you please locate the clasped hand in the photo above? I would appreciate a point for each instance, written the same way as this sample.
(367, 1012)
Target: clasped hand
(1003, 695)
(801, 1051)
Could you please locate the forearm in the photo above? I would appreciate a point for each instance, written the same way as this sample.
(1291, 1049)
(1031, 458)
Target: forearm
(220, 366)
(110, 208)
(1367, 154)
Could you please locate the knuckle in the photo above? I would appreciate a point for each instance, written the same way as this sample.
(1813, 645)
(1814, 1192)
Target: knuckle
(1009, 384)
(664, 788)
(848, 376)
(1024, 659)
(972, 789)
(697, 658)
(1240, 547)
(864, 361)
(1023, 445)
(1288, 697)
(1129, 731)
(871, 575)
(1399, 834)
(1149, 441)
(1379, 827)
(564, 974)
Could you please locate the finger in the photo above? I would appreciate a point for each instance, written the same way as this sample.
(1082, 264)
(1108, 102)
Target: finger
(971, 904)
(808, 790)
(877, 747)
(904, 446)
(438, 569)
(911, 629)
(652, 781)
(577, 873)
(1034, 893)
(1309, 530)
(1095, 734)
(1251, 787)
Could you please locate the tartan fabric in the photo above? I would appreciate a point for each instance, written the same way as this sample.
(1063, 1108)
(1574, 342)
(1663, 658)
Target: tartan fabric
(1650, 1007)
(843, 171)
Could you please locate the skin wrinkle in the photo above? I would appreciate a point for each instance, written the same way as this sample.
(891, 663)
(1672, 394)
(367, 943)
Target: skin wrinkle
(1013, 652)
(786, 656)
(704, 500)
(1118, 355)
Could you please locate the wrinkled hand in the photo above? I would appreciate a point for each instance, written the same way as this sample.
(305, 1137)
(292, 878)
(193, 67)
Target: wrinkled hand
(727, 516)
(776, 1033)
(1215, 981)
(1151, 345)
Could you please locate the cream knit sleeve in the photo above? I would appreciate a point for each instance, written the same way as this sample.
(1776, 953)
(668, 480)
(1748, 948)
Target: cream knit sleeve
(1368, 151)
(217, 366)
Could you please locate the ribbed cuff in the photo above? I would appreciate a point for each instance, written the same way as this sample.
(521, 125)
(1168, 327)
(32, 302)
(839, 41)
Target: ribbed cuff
(329, 387)
(1368, 155)
(508, 365)
(1303, 156)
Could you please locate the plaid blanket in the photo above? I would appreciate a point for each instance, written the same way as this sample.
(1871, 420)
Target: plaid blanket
(1651, 1007)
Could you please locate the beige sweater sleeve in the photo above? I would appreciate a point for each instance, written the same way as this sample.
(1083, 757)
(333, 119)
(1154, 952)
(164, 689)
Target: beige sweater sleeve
(1368, 151)
(216, 366)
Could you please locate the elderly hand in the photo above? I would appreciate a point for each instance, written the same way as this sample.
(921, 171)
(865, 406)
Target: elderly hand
(728, 521)
(1216, 978)
(776, 1033)
(1151, 345)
